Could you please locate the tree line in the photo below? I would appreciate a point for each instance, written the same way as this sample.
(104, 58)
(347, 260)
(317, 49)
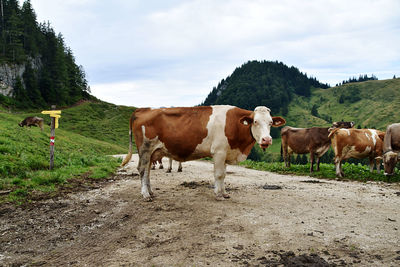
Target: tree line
(361, 78)
(51, 75)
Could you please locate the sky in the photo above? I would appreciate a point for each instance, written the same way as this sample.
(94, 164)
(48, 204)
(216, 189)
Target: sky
(148, 53)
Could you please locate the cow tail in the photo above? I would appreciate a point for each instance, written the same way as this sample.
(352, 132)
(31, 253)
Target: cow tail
(129, 156)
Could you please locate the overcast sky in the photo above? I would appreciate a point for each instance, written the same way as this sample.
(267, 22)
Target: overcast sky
(173, 52)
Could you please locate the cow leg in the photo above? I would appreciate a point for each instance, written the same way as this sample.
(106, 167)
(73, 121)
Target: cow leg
(169, 165)
(161, 165)
(341, 169)
(338, 164)
(371, 164)
(144, 172)
(286, 156)
(219, 176)
(180, 167)
(311, 162)
(153, 165)
(378, 165)
(318, 158)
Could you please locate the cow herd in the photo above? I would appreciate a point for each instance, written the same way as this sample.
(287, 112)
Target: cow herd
(346, 143)
(227, 134)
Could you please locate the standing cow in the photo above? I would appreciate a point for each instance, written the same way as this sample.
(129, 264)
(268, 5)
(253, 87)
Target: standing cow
(308, 140)
(225, 133)
(357, 143)
(32, 121)
(391, 148)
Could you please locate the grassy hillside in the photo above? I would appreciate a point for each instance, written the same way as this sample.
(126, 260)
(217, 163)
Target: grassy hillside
(372, 104)
(79, 150)
(99, 120)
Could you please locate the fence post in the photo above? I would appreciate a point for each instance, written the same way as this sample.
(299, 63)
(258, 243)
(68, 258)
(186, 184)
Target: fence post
(52, 136)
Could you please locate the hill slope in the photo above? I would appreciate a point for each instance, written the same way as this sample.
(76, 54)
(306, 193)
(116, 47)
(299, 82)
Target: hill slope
(304, 101)
(371, 104)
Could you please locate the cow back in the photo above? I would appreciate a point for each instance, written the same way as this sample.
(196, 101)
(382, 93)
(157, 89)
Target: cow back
(357, 143)
(392, 138)
(179, 129)
(305, 140)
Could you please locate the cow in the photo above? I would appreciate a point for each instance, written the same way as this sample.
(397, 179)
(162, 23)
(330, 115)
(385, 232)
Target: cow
(391, 148)
(32, 121)
(357, 143)
(169, 165)
(343, 124)
(225, 133)
(307, 140)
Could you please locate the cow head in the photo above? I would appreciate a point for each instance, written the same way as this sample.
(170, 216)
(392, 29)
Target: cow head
(390, 159)
(261, 122)
(20, 124)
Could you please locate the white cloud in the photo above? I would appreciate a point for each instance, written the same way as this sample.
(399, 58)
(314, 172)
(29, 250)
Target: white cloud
(194, 44)
(150, 93)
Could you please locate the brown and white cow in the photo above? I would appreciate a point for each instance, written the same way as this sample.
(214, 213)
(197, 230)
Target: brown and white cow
(391, 148)
(308, 140)
(32, 121)
(357, 143)
(225, 133)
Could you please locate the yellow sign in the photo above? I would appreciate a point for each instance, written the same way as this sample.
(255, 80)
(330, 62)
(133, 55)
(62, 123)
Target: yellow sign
(51, 112)
(54, 114)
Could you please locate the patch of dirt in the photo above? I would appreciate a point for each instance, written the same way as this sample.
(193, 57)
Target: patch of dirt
(271, 187)
(312, 181)
(107, 223)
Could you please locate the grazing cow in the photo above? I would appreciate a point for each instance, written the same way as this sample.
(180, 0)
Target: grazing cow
(32, 121)
(307, 140)
(357, 143)
(225, 133)
(391, 148)
(343, 124)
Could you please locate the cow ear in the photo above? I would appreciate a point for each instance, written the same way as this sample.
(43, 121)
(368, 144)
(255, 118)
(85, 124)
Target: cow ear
(246, 120)
(381, 135)
(278, 121)
(379, 158)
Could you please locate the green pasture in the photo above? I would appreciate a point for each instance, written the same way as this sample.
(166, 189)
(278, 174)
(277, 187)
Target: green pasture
(24, 158)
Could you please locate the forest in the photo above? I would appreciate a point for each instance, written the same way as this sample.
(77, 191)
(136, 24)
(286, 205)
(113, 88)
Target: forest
(51, 75)
(266, 83)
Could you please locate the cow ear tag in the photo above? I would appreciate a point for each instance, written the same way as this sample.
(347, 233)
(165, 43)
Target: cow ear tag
(278, 121)
(246, 120)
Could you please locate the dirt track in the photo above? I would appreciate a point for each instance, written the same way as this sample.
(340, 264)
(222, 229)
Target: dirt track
(270, 220)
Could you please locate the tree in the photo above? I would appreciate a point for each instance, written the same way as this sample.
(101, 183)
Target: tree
(314, 111)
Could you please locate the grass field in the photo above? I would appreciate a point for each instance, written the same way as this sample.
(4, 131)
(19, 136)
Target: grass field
(352, 171)
(24, 153)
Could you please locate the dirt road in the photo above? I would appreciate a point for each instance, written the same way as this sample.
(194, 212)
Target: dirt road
(270, 220)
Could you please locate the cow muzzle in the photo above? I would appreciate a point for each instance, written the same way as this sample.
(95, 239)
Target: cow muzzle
(265, 142)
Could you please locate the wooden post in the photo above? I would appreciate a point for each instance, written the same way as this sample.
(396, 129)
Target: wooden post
(54, 116)
(52, 136)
